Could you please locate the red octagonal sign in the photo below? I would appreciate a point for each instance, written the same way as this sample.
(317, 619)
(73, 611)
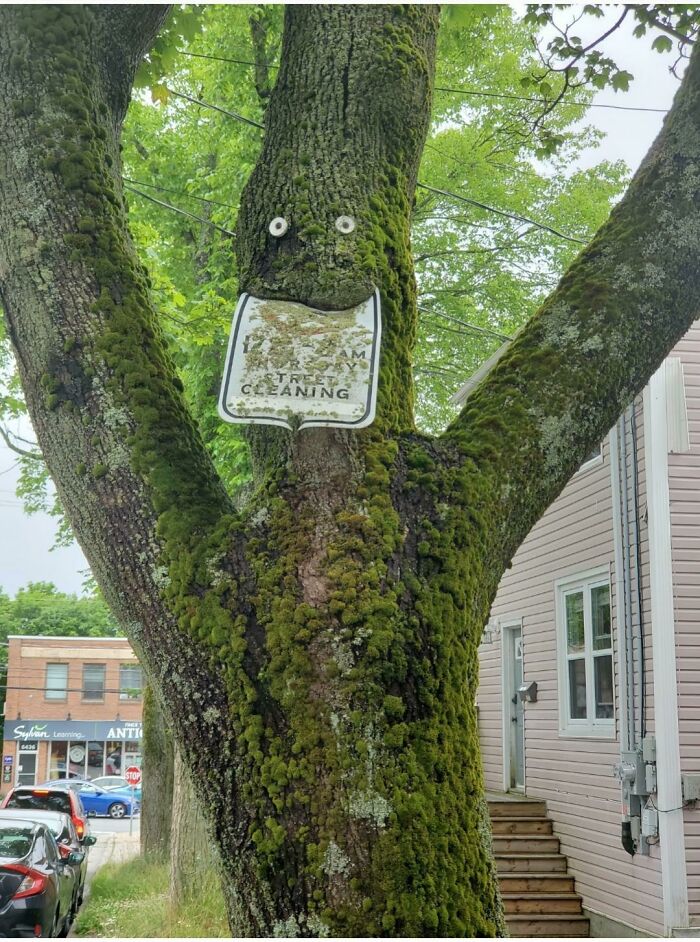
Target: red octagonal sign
(133, 775)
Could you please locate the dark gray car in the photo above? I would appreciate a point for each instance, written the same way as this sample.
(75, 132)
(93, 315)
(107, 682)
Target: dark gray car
(67, 840)
(37, 886)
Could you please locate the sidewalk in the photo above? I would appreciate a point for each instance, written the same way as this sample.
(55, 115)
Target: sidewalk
(110, 848)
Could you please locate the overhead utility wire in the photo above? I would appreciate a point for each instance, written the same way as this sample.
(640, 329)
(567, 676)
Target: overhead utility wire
(72, 690)
(176, 209)
(207, 104)
(201, 55)
(501, 212)
(582, 104)
(190, 196)
(456, 320)
(452, 91)
(424, 186)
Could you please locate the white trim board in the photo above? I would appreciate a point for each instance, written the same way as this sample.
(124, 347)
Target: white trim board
(669, 796)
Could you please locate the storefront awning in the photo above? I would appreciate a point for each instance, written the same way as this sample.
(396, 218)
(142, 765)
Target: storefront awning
(32, 730)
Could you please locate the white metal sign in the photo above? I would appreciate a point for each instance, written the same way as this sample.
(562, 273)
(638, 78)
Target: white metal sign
(292, 365)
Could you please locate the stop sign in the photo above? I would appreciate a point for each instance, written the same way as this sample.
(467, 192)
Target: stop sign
(133, 775)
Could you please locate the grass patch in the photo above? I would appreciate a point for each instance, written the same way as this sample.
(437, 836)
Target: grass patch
(130, 900)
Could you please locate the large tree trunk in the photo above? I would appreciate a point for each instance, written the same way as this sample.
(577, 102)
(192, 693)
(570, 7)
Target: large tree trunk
(317, 659)
(158, 772)
(192, 857)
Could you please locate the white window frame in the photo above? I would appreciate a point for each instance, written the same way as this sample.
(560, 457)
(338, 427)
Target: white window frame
(593, 462)
(591, 727)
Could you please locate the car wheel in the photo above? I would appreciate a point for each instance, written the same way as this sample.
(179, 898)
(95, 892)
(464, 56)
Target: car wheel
(67, 922)
(117, 810)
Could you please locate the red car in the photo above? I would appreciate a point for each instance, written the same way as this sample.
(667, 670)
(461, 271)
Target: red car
(63, 800)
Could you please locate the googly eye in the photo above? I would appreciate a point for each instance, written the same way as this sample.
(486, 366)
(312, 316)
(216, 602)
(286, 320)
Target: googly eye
(345, 224)
(278, 227)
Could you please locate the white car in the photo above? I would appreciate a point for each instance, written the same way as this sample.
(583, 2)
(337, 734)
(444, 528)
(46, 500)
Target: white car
(110, 782)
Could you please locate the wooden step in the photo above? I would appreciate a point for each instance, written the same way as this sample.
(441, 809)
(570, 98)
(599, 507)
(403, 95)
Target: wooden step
(525, 844)
(521, 826)
(517, 809)
(549, 904)
(547, 926)
(536, 883)
(524, 863)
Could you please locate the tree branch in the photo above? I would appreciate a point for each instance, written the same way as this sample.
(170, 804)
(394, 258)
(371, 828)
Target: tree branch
(624, 303)
(35, 455)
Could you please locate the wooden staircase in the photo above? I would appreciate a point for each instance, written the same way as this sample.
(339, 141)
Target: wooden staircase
(538, 893)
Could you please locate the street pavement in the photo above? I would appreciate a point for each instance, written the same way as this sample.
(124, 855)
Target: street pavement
(114, 843)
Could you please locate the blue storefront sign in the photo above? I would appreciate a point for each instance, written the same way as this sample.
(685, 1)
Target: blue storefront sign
(56, 730)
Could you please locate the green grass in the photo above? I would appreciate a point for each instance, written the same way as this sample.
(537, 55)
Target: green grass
(131, 900)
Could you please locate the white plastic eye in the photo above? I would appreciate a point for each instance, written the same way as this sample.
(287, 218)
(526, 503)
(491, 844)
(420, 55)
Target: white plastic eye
(278, 227)
(345, 224)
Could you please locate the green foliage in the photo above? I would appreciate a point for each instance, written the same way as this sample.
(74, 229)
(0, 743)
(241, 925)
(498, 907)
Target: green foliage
(131, 900)
(473, 266)
(41, 609)
(583, 62)
(182, 25)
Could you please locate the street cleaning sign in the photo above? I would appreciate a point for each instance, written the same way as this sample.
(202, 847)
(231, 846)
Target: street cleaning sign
(298, 367)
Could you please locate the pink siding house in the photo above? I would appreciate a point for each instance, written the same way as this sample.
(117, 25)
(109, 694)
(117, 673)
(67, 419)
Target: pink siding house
(601, 611)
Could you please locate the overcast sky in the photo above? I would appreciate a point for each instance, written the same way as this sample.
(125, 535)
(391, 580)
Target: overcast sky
(25, 541)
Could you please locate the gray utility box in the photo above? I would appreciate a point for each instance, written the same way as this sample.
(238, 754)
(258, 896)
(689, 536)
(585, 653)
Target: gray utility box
(690, 786)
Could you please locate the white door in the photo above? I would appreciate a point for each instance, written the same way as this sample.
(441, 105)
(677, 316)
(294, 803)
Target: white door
(514, 728)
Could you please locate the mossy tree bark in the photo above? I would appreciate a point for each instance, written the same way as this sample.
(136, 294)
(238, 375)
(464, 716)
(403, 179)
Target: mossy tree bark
(317, 656)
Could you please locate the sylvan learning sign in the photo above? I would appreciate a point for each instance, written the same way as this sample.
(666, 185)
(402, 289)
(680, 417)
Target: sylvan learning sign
(73, 729)
(292, 365)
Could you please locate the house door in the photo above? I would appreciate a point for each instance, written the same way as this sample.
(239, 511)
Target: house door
(513, 677)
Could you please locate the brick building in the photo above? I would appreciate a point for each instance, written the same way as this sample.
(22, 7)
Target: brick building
(72, 705)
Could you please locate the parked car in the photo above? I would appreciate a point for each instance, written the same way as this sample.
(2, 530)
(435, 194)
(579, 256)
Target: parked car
(42, 798)
(95, 800)
(66, 837)
(116, 783)
(37, 886)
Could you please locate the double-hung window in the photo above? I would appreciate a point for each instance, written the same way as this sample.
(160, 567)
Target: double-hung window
(130, 682)
(93, 681)
(56, 682)
(586, 673)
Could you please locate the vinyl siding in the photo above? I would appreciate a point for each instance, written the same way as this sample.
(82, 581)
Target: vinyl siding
(574, 775)
(684, 492)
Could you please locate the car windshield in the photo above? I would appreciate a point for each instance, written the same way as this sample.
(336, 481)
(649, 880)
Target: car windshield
(15, 841)
(41, 801)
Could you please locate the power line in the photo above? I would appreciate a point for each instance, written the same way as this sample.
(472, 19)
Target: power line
(191, 196)
(582, 104)
(232, 114)
(500, 212)
(201, 55)
(467, 324)
(67, 690)
(207, 104)
(176, 209)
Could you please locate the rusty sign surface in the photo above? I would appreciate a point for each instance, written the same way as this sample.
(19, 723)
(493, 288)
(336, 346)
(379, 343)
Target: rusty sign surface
(295, 366)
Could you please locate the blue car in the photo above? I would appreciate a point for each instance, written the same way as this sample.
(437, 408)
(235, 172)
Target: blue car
(98, 801)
